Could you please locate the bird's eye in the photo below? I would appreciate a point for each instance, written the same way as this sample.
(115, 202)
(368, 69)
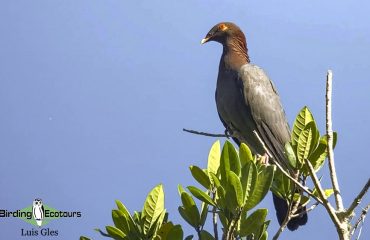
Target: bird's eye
(222, 27)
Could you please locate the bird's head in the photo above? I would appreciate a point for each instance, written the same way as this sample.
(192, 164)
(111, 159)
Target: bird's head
(222, 32)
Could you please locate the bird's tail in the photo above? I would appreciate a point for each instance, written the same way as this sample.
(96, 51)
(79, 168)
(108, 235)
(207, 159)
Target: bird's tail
(281, 207)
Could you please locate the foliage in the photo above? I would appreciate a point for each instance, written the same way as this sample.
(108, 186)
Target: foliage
(234, 183)
(305, 144)
(151, 223)
(231, 186)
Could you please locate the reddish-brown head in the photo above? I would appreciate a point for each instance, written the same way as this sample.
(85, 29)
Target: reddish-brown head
(233, 41)
(222, 32)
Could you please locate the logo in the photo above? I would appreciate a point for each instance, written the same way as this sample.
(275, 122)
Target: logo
(38, 211)
(38, 214)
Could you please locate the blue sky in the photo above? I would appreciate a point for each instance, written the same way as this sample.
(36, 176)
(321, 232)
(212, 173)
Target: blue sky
(94, 96)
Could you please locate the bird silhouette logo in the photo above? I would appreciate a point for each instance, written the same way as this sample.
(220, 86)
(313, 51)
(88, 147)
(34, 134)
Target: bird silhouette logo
(38, 211)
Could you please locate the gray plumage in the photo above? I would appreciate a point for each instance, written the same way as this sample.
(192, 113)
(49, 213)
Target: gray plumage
(247, 101)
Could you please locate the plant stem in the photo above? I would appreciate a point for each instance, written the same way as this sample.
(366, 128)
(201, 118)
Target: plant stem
(329, 132)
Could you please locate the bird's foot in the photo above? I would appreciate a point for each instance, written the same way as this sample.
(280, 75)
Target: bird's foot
(264, 160)
(227, 133)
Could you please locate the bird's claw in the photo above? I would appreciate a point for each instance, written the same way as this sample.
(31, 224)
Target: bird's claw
(264, 160)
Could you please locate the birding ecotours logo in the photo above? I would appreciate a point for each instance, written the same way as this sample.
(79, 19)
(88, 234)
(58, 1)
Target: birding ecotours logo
(38, 213)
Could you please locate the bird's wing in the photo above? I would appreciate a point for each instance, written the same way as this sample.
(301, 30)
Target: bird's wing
(263, 100)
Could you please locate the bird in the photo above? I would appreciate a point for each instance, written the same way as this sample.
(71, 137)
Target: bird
(38, 211)
(247, 102)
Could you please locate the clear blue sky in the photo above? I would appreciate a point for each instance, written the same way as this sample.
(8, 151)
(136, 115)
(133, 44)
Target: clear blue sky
(94, 96)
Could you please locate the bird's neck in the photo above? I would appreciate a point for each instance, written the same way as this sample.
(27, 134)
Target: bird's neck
(235, 53)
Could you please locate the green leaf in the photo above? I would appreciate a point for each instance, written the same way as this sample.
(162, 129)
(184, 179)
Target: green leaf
(289, 152)
(248, 180)
(264, 236)
(153, 207)
(223, 219)
(120, 221)
(263, 230)
(185, 215)
(115, 233)
(262, 186)
(200, 176)
(214, 158)
(190, 237)
(175, 233)
(307, 141)
(328, 192)
(245, 154)
(303, 118)
(189, 210)
(158, 223)
(164, 230)
(214, 179)
(180, 189)
(220, 197)
(236, 193)
(229, 161)
(84, 238)
(318, 156)
(204, 235)
(203, 213)
(253, 223)
(201, 195)
(128, 216)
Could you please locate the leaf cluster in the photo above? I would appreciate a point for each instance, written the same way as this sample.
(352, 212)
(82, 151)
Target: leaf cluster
(150, 223)
(233, 184)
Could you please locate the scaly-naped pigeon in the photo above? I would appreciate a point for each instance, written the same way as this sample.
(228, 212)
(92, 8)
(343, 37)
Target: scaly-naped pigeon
(247, 101)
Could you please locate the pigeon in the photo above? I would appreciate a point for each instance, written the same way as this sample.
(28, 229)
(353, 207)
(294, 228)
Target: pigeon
(248, 101)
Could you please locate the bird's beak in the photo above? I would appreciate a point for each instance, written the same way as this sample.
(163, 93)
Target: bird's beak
(204, 40)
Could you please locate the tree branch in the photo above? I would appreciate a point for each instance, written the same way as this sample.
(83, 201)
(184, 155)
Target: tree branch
(361, 219)
(321, 193)
(358, 199)
(329, 132)
(206, 134)
(214, 217)
(307, 210)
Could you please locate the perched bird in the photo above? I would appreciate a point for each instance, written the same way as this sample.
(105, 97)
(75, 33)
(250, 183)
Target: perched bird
(247, 101)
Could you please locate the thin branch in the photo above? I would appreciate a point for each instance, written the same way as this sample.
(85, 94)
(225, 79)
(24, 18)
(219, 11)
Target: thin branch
(307, 210)
(329, 132)
(263, 144)
(361, 219)
(321, 193)
(293, 207)
(287, 174)
(358, 199)
(214, 217)
(205, 134)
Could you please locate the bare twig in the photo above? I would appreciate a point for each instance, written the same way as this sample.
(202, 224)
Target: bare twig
(358, 199)
(214, 217)
(307, 210)
(321, 193)
(361, 219)
(205, 134)
(329, 132)
(287, 174)
(262, 143)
